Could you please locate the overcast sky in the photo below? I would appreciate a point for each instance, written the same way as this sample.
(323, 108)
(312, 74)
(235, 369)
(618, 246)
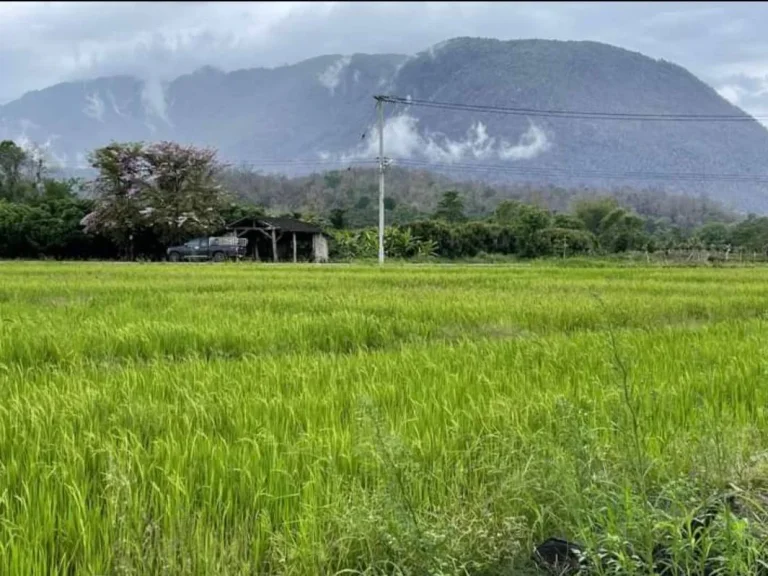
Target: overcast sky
(42, 43)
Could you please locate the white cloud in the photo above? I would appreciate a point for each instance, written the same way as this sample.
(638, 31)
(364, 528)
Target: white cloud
(387, 83)
(331, 76)
(115, 107)
(748, 92)
(153, 97)
(532, 142)
(402, 139)
(26, 124)
(41, 151)
(94, 107)
(435, 49)
(731, 92)
(48, 42)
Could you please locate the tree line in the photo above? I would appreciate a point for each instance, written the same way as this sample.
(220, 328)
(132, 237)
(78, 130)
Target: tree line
(514, 228)
(145, 197)
(594, 226)
(413, 194)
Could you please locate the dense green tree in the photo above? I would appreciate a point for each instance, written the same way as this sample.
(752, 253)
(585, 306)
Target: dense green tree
(13, 159)
(567, 241)
(568, 222)
(526, 221)
(620, 230)
(451, 207)
(235, 211)
(751, 234)
(337, 218)
(593, 212)
(49, 225)
(507, 211)
(715, 235)
(443, 234)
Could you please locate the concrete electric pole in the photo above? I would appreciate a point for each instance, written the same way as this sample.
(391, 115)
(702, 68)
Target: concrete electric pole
(382, 166)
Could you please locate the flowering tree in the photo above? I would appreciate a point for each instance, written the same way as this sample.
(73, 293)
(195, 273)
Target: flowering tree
(122, 173)
(165, 187)
(181, 191)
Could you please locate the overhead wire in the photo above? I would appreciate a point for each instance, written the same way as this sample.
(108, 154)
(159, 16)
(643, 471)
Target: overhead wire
(555, 172)
(560, 172)
(307, 162)
(545, 171)
(320, 162)
(549, 172)
(577, 114)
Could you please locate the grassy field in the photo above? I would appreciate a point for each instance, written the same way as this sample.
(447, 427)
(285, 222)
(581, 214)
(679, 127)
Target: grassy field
(243, 419)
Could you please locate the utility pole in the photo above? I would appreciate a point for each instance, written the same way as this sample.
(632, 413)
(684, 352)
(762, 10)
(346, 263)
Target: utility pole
(382, 166)
(39, 175)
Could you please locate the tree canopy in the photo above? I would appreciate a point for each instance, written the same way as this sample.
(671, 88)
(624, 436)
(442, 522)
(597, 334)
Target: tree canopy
(167, 187)
(147, 196)
(451, 207)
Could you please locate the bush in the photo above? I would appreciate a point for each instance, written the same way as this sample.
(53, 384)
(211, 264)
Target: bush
(434, 238)
(568, 240)
(465, 240)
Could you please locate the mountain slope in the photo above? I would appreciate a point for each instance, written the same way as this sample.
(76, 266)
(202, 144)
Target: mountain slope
(278, 118)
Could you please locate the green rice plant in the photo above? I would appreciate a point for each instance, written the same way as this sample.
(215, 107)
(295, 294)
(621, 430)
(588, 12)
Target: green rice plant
(280, 419)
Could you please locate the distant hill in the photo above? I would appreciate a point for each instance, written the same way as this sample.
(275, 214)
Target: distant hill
(413, 194)
(287, 119)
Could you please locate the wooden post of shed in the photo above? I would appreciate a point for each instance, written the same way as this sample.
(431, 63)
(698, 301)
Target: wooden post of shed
(274, 245)
(293, 240)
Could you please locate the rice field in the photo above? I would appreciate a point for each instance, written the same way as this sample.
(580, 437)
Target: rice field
(300, 420)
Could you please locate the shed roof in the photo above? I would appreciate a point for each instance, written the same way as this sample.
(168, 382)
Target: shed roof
(282, 224)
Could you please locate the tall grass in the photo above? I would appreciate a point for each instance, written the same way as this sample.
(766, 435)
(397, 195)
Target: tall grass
(319, 420)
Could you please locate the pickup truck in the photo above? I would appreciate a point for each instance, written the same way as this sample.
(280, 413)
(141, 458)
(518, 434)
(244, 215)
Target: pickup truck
(213, 248)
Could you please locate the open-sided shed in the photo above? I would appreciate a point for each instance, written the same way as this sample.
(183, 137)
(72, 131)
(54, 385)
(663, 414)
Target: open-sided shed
(283, 238)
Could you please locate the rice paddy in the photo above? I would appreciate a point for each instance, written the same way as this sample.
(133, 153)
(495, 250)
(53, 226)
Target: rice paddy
(244, 419)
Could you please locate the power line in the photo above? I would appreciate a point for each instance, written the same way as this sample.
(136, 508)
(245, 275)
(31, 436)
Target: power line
(465, 165)
(547, 171)
(517, 170)
(576, 114)
(308, 162)
(554, 172)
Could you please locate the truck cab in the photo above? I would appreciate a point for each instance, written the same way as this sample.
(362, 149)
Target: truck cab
(213, 248)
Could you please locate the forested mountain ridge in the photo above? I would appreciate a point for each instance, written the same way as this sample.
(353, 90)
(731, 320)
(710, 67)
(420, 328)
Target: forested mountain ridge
(319, 114)
(412, 194)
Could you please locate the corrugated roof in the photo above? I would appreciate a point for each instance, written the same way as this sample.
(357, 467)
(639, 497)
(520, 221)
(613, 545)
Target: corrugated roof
(291, 225)
(282, 224)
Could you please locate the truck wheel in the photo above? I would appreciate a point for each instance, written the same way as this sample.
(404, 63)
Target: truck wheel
(218, 257)
(174, 256)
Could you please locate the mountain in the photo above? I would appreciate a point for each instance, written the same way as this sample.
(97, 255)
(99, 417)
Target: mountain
(289, 118)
